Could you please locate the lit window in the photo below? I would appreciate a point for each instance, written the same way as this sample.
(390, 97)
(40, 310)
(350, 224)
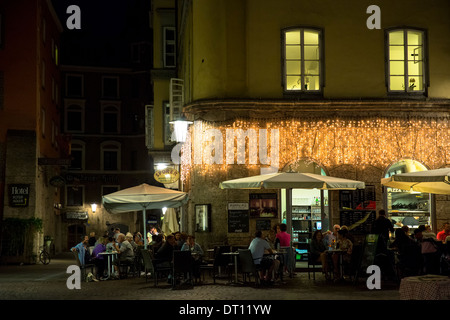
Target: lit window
(302, 60)
(406, 67)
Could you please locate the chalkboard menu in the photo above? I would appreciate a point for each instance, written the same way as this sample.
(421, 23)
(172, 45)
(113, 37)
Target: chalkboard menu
(238, 218)
(359, 222)
(263, 224)
(360, 199)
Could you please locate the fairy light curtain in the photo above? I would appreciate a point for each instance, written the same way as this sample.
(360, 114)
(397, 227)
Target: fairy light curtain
(331, 142)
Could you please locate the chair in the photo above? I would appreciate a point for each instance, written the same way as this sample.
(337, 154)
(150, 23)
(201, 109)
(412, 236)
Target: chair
(148, 265)
(312, 264)
(218, 262)
(248, 267)
(124, 266)
(182, 267)
(83, 267)
(288, 259)
(158, 268)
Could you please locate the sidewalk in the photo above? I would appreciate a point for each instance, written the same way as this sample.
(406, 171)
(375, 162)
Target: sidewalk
(31, 282)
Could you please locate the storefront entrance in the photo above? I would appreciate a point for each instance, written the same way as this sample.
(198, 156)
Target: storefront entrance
(407, 208)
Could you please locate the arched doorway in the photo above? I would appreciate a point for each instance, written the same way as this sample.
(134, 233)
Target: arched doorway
(406, 208)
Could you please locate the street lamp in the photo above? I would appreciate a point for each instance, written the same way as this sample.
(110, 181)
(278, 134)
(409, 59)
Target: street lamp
(180, 127)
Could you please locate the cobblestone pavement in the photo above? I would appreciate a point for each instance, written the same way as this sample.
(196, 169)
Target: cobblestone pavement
(39, 282)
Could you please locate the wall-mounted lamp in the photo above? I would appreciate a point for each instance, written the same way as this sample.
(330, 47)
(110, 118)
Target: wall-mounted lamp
(94, 207)
(164, 210)
(180, 127)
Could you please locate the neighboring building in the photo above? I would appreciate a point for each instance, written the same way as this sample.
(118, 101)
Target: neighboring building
(31, 144)
(336, 98)
(106, 90)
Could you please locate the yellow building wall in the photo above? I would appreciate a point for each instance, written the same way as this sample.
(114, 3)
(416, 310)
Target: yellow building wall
(236, 49)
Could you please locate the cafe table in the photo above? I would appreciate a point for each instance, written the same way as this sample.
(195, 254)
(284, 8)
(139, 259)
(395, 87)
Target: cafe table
(234, 254)
(341, 254)
(110, 256)
(425, 287)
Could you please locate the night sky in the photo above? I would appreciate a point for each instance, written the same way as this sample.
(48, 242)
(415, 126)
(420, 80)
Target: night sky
(107, 29)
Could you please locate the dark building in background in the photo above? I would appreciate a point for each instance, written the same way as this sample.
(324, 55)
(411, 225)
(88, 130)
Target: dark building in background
(105, 73)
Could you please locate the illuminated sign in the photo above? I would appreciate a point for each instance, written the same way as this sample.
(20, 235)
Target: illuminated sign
(167, 175)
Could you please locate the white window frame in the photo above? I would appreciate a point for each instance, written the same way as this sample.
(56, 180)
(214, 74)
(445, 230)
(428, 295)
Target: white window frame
(302, 60)
(169, 42)
(79, 145)
(405, 59)
(75, 104)
(82, 195)
(106, 107)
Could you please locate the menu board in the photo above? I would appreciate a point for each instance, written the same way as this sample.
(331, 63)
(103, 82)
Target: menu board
(360, 199)
(263, 224)
(238, 218)
(359, 222)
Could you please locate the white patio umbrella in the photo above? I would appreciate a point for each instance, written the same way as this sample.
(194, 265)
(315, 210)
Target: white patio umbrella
(143, 197)
(290, 180)
(429, 181)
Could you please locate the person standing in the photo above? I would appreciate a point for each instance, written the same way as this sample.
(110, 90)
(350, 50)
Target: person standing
(382, 226)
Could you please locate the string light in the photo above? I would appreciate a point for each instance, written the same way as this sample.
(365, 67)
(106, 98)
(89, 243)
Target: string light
(359, 142)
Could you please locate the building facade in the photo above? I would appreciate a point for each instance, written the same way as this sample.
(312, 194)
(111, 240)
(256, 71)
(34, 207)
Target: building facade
(31, 147)
(310, 87)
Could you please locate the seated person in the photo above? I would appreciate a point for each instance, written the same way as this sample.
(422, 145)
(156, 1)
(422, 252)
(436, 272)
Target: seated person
(82, 250)
(409, 254)
(98, 259)
(126, 252)
(197, 251)
(344, 244)
(258, 247)
(164, 255)
(318, 251)
(110, 244)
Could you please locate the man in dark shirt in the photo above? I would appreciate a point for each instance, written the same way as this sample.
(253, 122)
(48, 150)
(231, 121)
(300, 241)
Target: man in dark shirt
(165, 253)
(382, 226)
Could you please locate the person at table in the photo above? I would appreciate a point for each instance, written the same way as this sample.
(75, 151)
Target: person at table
(331, 236)
(258, 247)
(83, 252)
(430, 251)
(164, 254)
(125, 251)
(346, 247)
(98, 259)
(129, 237)
(409, 254)
(283, 236)
(197, 254)
(318, 251)
(110, 244)
(444, 233)
(138, 238)
(272, 239)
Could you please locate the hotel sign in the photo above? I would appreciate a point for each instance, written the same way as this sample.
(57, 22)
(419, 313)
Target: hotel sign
(19, 195)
